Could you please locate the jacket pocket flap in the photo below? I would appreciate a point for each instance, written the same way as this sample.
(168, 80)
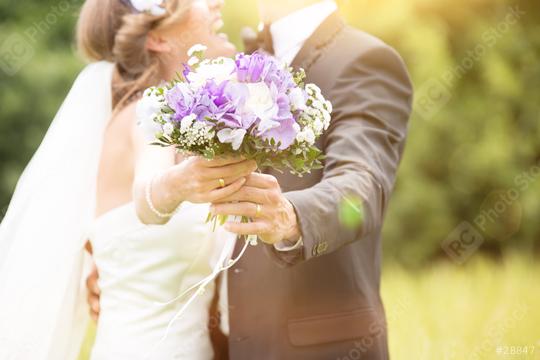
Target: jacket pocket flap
(333, 327)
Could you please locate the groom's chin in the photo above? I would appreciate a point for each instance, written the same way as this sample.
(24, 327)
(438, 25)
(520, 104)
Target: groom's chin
(223, 47)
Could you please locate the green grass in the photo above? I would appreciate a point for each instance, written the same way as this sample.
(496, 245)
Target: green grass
(464, 312)
(451, 312)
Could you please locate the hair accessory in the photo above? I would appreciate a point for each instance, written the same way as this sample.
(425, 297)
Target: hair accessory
(152, 7)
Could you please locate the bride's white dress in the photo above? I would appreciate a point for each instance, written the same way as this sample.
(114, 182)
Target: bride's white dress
(142, 265)
(43, 308)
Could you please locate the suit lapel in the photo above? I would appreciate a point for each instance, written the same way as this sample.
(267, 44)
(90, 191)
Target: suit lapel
(312, 49)
(319, 41)
(256, 41)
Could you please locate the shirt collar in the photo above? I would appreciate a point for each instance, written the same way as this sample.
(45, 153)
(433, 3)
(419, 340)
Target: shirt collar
(294, 29)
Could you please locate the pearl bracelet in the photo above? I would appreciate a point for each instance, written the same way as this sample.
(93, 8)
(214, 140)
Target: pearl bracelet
(151, 204)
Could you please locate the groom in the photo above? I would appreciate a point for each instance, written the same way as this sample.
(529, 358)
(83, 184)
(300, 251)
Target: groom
(311, 291)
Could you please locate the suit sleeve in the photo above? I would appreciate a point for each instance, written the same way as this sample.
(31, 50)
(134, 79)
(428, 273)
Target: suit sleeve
(372, 103)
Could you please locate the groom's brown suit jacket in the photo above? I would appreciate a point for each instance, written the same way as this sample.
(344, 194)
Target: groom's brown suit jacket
(322, 301)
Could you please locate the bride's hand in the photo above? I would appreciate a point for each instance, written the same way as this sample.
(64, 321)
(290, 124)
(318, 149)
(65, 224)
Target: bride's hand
(93, 293)
(199, 180)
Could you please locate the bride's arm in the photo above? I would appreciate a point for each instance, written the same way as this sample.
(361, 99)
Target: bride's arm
(194, 179)
(151, 165)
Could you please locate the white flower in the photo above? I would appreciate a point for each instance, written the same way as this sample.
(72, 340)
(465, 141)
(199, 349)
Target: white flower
(196, 48)
(297, 98)
(310, 136)
(232, 136)
(311, 111)
(148, 108)
(150, 6)
(307, 135)
(220, 70)
(317, 104)
(328, 106)
(168, 129)
(193, 61)
(187, 121)
(327, 118)
(313, 89)
(261, 103)
(318, 126)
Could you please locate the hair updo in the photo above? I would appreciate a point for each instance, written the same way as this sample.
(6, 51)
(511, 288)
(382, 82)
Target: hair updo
(111, 30)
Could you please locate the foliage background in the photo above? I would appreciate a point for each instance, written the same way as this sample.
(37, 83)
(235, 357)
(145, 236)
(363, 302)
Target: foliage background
(481, 140)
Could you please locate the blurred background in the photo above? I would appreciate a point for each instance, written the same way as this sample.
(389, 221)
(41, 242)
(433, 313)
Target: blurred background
(462, 236)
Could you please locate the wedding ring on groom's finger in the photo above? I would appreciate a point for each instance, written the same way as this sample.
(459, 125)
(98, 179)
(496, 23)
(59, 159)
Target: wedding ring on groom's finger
(258, 211)
(221, 183)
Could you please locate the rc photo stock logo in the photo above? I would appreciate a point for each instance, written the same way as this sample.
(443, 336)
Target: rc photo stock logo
(433, 95)
(18, 48)
(15, 52)
(462, 242)
(499, 218)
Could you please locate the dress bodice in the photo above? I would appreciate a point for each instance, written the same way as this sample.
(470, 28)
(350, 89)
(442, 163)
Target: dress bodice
(142, 265)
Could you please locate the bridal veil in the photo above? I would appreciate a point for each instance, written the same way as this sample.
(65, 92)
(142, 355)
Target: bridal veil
(43, 312)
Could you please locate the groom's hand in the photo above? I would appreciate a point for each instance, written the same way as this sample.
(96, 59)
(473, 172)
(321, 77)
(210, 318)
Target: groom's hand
(273, 216)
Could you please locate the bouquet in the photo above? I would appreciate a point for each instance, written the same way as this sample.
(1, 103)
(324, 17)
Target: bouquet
(251, 106)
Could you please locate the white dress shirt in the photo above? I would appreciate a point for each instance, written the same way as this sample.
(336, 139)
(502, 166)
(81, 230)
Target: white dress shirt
(289, 34)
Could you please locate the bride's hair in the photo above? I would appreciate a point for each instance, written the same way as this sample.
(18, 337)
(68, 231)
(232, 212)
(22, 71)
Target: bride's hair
(112, 30)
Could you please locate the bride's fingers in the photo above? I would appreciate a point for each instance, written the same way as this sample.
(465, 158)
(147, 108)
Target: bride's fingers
(94, 317)
(226, 191)
(243, 168)
(92, 283)
(221, 161)
(216, 183)
(93, 301)
(88, 247)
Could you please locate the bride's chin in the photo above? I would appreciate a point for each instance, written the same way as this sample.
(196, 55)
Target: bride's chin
(221, 39)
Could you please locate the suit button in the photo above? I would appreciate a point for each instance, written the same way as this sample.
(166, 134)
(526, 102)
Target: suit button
(320, 248)
(238, 270)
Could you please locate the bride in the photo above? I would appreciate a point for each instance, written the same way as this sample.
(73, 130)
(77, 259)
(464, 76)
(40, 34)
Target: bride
(95, 183)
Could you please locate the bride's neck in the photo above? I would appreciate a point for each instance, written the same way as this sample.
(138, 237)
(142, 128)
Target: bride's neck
(167, 73)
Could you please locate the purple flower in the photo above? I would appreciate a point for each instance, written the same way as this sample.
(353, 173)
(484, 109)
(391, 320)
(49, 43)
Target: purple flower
(182, 99)
(274, 117)
(186, 71)
(259, 103)
(224, 103)
(220, 102)
(261, 67)
(285, 133)
(249, 68)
